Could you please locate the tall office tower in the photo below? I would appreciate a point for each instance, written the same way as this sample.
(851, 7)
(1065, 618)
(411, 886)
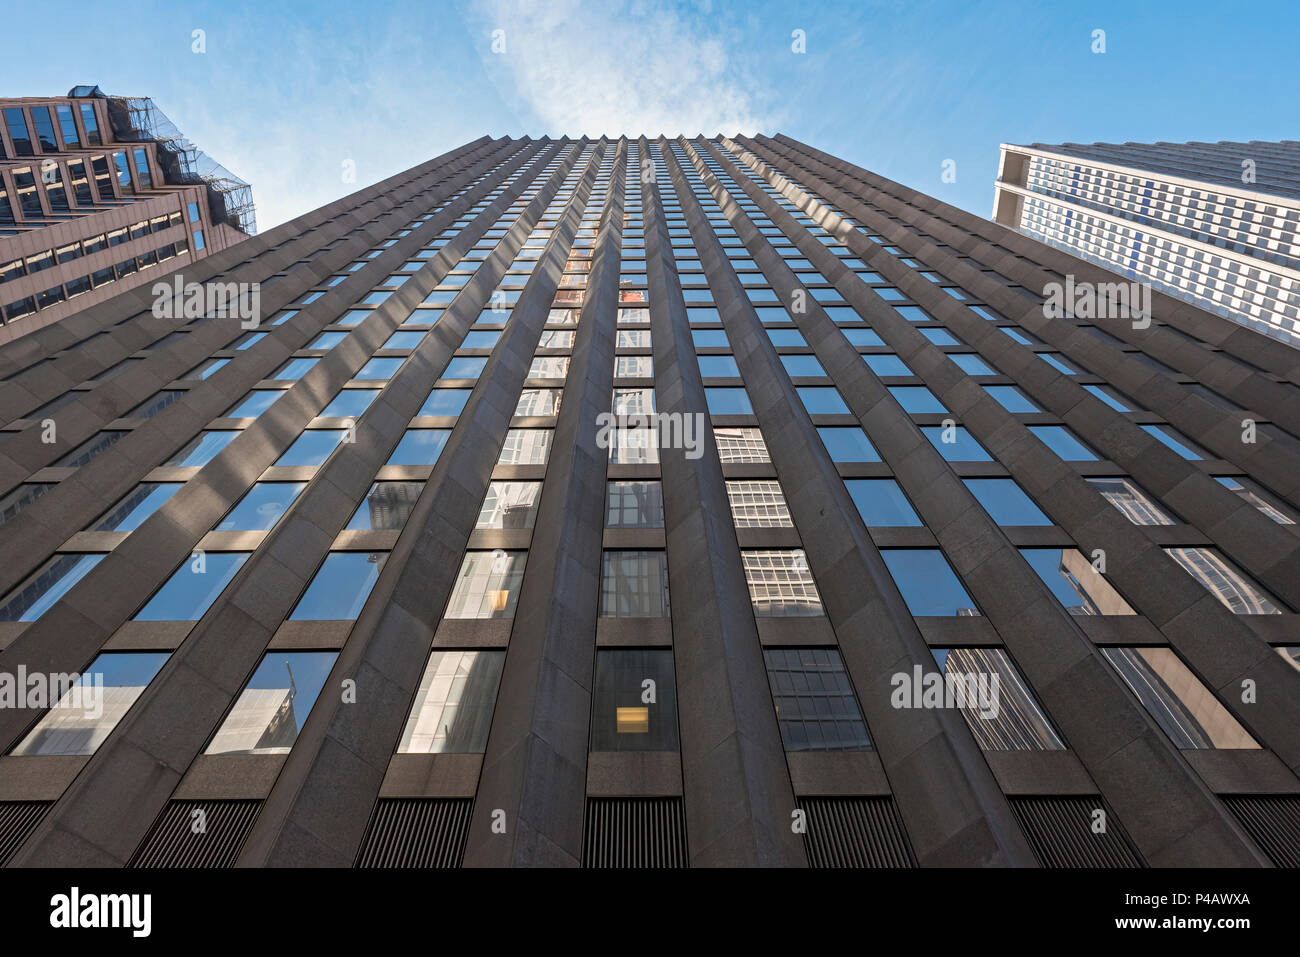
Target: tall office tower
(96, 192)
(1215, 224)
(648, 502)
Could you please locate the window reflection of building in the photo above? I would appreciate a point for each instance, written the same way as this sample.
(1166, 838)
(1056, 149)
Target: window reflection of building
(1015, 722)
(1223, 581)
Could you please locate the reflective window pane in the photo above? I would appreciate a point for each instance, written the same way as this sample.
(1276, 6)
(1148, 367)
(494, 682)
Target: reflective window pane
(386, 507)
(349, 404)
(634, 505)
(848, 444)
(815, 705)
(1135, 504)
(488, 585)
(130, 513)
(758, 503)
(634, 584)
(46, 586)
(740, 446)
(261, 507)
(1224, 581)
(270, 710)
(1006, 502)
(780, 583)
(881, 502)
(1063, 442)
(340, 587)
(313, 447)
(453, 707)
(510, 505)
(193, 587)
(927, 582)
(419, 447)
(998, 706)
(634, 700)
(1075, 582)
(202, 449)
(955, 443)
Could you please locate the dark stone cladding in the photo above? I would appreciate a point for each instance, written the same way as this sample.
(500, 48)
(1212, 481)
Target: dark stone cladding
(1050, 648)
(1223, 649)
(737, 785)
(113, 801)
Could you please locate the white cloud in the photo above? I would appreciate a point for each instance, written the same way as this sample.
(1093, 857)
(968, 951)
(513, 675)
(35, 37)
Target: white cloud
(610, 68)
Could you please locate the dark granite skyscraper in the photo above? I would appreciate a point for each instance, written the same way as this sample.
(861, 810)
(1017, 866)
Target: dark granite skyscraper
(649, 502)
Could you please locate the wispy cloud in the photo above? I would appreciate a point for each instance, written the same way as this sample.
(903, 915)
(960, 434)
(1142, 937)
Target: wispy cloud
(581, 68)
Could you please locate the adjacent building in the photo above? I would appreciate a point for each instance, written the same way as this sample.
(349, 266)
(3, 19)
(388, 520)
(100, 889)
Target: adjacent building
(648, 502)
(95, 192)
(1216, 224)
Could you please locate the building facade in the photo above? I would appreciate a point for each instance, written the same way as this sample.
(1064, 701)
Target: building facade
(95, 193)
(648, 502)
(1216, 224)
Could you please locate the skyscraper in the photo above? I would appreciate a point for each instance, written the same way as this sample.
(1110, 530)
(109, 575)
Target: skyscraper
(95, 192)
(650, 502)
(1216, 224)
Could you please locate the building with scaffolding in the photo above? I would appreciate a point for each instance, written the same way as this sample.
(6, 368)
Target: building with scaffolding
(95, 190)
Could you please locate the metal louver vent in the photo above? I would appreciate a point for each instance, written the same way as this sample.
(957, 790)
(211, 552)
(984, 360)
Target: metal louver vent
(183, 837)
(416, 832)
(1273, 821)
(635, 832)
(855, 832)
(1060, 832)
(17, 820)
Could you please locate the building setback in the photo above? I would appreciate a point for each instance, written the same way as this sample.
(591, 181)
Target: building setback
(650, 502)
(96, 192)
(1216, 224)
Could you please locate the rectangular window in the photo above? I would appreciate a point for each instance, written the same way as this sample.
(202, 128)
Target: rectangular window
(780, 583)
(419, 447)
(997, 704)
(193, 587)
(86, 714)
(91, 123)
(549, 367)
(271, 709)
(634, 584)
(453, 706)
(1135, 504)
(1187, 710)
(634, 505)
(386, 507)
(17, 124)
(312, 448)
(488, 585)
(525, 447)
(741, 446)
(633, 446)
(633, 367)
(1006, 502)
(758, 503)
(815, 705)
(261, 507)
(538, 402)
(1221, 579)
(634, 701)
(927, 582)
(340, 587)
(46, 585)
(510, 505)
(881, 503)
(633, 401)
(1075, 582)
(202, 449)
(1255, 497)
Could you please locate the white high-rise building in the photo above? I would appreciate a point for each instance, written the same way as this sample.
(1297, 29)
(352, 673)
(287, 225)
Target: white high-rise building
(1217, 224)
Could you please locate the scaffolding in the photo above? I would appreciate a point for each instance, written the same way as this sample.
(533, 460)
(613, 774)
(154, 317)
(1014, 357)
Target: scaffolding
(138, 119)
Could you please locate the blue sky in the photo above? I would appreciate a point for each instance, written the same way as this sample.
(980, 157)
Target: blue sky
(287, 92)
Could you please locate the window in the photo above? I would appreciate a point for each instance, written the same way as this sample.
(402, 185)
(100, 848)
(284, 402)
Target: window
(202, 449)
(780, 583)
(758, 503)
(97, 444)
(1134, 503)
(46, 586)
(538, 402)
(863, 338)
(884, 364)
(941, 337)
(488, 585)
(1184, 708)
(718, 367)
(634, 700)
(928, 583)
(633, 401)
(193, 587)
(633, 367)
(340, 587)
(802, 366)
(549, 367)
(970, 364)
(881, 503)
(526, 447)
(634, 505)
(86, 714)
(291, 371)
(634, 584)
(710, 339)
(848, 444)
(253, 404)
(1006, 502)
(270, 710)
(1165, 436)
(1221, 579)
(349, 404)
(815, 705)
(738, 446)
(1109, 396)
(822, 400)
(998, 706)
(464, 367)
(510, 505)
(130, 513)
(419, 447)
(377, 369)
(1011, 398)
(453, 706)
(633, 446)
(312, 447)
(917, 399)
(1253, 495)
(729, 401)
(1075, 582)
(1062, 441)
(261, 507)
(386, 507)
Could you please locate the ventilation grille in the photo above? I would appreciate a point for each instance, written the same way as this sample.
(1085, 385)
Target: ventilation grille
(635, 832)
(174, 841)
(17, 820)
(855, 832)
(1274, 823)
(416, 832)
(1060, 831)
